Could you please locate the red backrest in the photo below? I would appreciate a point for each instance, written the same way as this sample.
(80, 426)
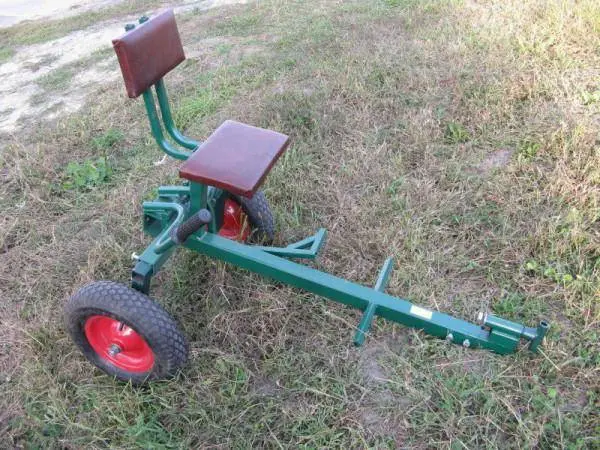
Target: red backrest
(148, 52)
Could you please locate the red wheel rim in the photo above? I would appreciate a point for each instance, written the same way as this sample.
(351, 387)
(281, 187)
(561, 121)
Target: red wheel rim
(235, 222)
(118, 344)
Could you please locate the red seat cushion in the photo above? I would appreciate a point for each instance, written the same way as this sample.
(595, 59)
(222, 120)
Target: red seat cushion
(148, 52)
(236, 157)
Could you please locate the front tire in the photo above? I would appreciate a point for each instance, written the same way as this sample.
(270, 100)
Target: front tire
(124, 332)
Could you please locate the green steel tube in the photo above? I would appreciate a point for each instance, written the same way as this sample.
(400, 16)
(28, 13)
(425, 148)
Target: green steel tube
(305, 249)
(343, 291)
(157, 129)
(365, 324)
(164, 241)
(173, 190)
(506, 326)
(494, 333)
(535, 335)
(384, 275)
(541, 331)
(165, 110)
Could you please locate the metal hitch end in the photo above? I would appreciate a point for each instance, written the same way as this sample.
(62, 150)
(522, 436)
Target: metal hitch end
(540, 333)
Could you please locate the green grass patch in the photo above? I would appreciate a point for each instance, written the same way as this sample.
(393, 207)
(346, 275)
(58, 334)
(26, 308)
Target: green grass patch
(56, 80)
(243, 24)
(107, 139)
(5, 54)
(199, 105)
(86, 175)
(456, 133)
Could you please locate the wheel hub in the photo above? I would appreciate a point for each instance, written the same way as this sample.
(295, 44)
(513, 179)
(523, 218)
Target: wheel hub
(118, 344)
(235, 222)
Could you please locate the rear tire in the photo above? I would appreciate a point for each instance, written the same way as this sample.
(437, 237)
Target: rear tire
(260, 216)
(124, 332)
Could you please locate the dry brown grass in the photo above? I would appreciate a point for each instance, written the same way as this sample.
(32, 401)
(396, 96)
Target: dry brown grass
(398, 111)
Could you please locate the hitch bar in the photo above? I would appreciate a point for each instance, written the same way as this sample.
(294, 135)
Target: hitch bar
(492, 333)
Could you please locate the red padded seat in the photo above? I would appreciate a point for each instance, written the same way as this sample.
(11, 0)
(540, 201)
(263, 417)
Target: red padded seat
(236, 157)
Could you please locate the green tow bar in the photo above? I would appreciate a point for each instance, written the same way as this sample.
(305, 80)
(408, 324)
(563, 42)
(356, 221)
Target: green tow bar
(493, 333)
(496, 334)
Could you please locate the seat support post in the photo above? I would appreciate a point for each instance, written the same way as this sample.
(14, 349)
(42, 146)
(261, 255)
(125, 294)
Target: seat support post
(165, 110)
(157, 132)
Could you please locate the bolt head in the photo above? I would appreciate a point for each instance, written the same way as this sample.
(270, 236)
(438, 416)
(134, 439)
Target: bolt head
(466, 343)
(449, 337)
(114, 350)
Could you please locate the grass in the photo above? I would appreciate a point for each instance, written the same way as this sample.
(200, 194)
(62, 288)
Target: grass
(5, 54)
(398, 111)
(57, 79)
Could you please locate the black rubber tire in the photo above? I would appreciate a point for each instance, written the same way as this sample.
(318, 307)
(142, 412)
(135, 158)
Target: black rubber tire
(137, 311)
(261, 218)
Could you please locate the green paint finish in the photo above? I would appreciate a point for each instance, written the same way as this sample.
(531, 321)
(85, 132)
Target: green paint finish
(157, 132)
(365, 324)
(541, 331)
(348, 293)
(496, 334)
(289, 252)
(198, 197)
(177, 203)
(173, 191)
(384, 275)
(163, 242)
(503, 329)
(163, 102)
(141, 276)
(306, 248)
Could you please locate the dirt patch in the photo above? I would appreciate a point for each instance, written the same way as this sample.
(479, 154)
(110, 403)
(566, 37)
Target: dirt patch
(495, 160)
(373, 413)
(22, 100)
(266, 387)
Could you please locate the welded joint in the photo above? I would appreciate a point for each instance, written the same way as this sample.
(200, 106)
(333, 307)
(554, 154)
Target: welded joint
(306, 248)
(365, 324)
(384, 275)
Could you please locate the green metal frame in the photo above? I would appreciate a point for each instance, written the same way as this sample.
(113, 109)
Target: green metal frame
(175, 204)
